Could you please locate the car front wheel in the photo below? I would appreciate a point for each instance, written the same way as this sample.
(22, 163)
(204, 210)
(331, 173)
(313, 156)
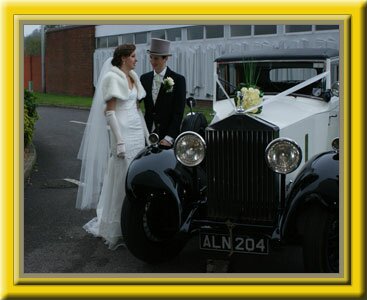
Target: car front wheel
(150, 229)
(321, 241)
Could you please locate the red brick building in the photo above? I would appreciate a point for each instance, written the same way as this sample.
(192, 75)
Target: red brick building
(69, 60)
(32, 72)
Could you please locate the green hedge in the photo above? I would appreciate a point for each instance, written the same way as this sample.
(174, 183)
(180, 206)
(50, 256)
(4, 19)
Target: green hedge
(30, 116)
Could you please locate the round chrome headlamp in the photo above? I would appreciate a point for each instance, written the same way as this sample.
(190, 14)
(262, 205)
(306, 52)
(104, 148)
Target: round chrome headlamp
(189, 148)
(283, 155)
(153, 138)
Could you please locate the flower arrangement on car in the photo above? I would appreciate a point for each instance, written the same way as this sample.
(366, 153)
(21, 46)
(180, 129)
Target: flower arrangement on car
(249, 97)
(248, 94)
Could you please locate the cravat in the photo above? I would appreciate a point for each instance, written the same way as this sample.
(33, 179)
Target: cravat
(157, 80)
(156, 85)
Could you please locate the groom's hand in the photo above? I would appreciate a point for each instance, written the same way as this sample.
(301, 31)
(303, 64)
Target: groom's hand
(165, 143)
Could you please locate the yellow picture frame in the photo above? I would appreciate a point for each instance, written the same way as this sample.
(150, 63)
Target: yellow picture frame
(351, 15)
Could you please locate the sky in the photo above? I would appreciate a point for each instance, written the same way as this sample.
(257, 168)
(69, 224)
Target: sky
(28, 29)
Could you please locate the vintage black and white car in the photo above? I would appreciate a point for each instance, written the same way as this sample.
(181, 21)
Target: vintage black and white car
(253, 179)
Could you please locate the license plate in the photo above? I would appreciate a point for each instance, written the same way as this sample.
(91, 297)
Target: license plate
(242, 244)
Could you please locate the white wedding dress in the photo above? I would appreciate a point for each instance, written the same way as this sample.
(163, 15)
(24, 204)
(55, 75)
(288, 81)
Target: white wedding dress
(107, 223)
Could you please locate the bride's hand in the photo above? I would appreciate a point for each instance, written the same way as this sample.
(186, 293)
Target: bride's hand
(121, 150)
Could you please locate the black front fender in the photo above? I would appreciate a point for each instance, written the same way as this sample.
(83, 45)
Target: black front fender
(155, 173)
(149, 173)
(318, 178)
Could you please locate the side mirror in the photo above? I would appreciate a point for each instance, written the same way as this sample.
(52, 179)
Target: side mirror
(327, 95)
(335, 88)
(191, 102)
(335, 144)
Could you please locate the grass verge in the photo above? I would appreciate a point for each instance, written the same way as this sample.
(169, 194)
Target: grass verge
(86, 102)
(63, 100)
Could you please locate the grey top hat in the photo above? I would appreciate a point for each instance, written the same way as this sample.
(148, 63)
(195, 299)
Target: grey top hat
(159, 47)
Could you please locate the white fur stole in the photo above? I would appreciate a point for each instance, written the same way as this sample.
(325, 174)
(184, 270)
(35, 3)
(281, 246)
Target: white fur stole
(115, 85)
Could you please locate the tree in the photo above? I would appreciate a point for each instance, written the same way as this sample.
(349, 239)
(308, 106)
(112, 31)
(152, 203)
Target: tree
(32, 43)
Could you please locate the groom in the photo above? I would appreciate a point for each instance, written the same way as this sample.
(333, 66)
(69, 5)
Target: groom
(166, 92)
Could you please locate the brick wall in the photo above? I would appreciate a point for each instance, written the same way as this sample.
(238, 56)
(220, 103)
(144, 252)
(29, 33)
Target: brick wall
(69, 60)
(32, 72)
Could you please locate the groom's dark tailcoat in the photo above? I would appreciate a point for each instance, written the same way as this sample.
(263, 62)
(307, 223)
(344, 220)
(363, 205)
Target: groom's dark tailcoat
(167, 112)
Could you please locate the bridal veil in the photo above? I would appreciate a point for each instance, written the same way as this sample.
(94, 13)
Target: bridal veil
(94, 149)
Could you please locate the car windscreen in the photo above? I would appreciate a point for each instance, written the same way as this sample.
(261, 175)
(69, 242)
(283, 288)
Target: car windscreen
(270, 77)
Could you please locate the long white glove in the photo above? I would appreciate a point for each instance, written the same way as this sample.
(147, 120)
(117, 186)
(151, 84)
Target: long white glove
(112, 121)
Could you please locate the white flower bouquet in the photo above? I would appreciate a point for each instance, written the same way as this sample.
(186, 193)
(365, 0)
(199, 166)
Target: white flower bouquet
(168, 84)
(248, 94)
(251, 97)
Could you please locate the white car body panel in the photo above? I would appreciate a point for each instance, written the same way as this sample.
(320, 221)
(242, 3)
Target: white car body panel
(289, 110)
(298, 118)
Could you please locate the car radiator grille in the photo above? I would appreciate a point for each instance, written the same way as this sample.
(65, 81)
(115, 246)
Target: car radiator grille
(240, 184)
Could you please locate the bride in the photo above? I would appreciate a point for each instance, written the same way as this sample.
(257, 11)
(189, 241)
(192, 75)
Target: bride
(107, 153)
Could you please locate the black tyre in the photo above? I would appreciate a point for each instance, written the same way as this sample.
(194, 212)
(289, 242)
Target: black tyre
(195, 122)
(321, 241)
(150, 229)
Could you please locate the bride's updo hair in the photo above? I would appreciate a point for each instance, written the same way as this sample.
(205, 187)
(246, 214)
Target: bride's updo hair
(124, 50)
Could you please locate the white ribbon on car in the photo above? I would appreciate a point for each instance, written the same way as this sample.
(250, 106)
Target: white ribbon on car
(290, 90)
(221, 86)
(282, 94)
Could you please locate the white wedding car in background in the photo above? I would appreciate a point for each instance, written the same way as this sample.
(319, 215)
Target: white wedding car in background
(248, 182)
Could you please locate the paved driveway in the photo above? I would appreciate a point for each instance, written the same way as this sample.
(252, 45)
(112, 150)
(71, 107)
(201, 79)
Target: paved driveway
(54, 241)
